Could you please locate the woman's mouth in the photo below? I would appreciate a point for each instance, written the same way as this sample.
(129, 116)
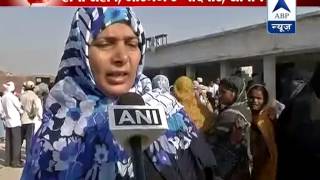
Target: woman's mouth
(117, 77)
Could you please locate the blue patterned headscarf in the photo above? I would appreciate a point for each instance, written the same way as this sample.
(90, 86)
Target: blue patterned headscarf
(86, 25)
(74, 141)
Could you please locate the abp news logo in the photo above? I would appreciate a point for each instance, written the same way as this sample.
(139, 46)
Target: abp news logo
(281, 16)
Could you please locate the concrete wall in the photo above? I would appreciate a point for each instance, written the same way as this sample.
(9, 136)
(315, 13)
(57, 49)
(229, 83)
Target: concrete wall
(251, 41)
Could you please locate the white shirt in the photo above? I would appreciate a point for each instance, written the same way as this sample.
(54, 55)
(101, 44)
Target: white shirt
(214, 89)
(2, 115)
(31, 103)
(12, 109)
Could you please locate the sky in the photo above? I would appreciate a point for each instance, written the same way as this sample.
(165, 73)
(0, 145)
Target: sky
(32, 39)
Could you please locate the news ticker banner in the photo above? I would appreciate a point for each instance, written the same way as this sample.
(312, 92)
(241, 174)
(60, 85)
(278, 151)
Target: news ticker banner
(159, 3)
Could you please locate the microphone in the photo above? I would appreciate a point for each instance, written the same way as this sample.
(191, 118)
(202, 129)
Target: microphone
(136, 126)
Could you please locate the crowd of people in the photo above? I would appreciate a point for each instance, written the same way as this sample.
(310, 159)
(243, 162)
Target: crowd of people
(228, 130)
(20, 117)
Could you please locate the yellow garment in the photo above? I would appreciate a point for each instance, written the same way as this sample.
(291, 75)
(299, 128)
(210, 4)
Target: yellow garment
(199, 113)
(264, 147)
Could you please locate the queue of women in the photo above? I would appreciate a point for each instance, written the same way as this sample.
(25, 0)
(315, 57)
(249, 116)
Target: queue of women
(103, 59)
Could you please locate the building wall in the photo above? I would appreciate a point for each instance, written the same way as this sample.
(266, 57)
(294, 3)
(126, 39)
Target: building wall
(241, 43)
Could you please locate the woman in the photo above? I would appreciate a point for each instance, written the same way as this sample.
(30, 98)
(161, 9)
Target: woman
(161, 83)
(185, 93)
(298, 132)
(160, 94)
(263, 145)
(230, 140)
(103, 59)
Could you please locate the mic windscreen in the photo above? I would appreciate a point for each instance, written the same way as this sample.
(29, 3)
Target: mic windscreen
(131, 117)
(130, 98)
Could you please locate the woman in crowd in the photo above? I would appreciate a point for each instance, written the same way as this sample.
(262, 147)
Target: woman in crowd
(160, 94)
(103, 59)
(263, 145)
(230, 139)
(298, 132)
(161, 83)
(200, 114)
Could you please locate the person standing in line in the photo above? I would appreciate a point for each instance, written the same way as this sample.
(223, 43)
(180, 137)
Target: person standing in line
(161, 83)
(230, 140)
(199, 113)
(42, 92)
(145, 85)
(31, 105)
(263, 142)
(298, 127)
(12, 109)
(2, 116)
(214, 87)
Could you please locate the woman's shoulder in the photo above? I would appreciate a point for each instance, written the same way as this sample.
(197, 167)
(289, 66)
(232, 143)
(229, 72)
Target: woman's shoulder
(269, 113)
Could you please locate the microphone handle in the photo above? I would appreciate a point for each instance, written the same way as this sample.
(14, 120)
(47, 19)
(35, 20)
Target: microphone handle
(138, 163)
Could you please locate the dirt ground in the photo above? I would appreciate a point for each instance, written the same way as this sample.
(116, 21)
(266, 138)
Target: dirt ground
(8, 173)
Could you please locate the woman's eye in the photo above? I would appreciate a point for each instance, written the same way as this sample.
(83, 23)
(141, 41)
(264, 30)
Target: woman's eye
(102, 44)
(133, 44)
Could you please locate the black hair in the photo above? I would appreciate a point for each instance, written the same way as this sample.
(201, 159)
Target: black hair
(229, 85)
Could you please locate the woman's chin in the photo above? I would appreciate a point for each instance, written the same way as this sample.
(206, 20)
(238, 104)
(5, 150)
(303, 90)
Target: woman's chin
(116, 91)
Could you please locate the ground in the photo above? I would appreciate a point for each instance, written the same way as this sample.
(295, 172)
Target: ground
(7, 173)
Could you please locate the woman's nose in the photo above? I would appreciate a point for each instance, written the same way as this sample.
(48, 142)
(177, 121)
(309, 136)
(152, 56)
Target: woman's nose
(121, 55)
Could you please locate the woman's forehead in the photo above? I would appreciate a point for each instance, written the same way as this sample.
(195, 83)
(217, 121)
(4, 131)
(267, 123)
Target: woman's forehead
(256, 92)
(118, 30)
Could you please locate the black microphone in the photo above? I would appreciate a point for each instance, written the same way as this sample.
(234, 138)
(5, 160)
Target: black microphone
(130, 99)
(136, 126)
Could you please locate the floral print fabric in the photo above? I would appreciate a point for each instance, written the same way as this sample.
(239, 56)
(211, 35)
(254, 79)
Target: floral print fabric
(74, 141)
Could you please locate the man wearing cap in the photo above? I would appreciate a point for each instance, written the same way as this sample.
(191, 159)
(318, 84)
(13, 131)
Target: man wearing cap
(30, 104)
(12, 110)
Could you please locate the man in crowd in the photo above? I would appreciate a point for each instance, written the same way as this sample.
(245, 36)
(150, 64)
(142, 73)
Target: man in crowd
(2, 116)
(31, 105)
(214, 87)
(12, 110)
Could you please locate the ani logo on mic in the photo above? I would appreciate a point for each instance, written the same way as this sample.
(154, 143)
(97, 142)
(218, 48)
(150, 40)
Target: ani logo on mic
(281, 16)
(140, 116)
(126, 121)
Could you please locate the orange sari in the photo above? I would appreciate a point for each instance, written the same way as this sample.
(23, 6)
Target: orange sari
(264, 148)
(201, 116)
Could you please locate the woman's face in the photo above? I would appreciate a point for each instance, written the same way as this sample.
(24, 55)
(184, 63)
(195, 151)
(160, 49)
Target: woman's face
(114, 58)
(226, 96)
(256, 100)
